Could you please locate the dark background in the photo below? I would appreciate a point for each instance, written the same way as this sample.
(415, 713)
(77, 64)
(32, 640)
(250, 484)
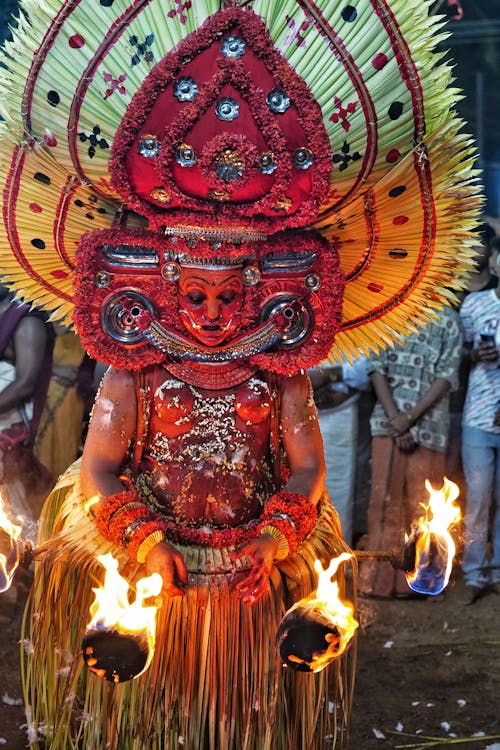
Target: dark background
(475, 46)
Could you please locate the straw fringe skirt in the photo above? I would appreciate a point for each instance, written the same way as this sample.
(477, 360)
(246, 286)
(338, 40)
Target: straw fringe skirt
(216, 681)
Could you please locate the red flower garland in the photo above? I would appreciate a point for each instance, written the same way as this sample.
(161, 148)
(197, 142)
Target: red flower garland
(118, 512)
(303, 515)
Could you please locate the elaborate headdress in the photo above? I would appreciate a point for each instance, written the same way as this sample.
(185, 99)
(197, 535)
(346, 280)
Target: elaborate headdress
(313, 144)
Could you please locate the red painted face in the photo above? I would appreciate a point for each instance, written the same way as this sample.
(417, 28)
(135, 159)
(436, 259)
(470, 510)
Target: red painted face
(210, 302)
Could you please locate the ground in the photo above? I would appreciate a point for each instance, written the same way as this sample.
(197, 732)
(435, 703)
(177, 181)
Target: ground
(425, 668)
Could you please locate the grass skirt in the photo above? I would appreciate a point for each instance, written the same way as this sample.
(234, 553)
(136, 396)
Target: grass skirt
(216, 681)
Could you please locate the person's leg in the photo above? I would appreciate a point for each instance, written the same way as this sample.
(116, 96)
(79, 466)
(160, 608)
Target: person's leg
(423, 464)
(362, 478)
(338, 429)
(385, 516)
(478, 454)
(495, 527)
(453, 460)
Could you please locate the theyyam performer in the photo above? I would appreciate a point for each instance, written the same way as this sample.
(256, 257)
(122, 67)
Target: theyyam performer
(218, 195)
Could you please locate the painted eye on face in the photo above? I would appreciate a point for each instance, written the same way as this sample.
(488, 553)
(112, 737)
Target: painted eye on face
(196, 298)
(227, 297)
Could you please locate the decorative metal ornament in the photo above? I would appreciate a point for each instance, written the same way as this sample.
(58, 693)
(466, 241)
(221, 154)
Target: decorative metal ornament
(298, 315)
(233, 47)
(303, 158)
(251, 276)
(120, 316)
(229, 165)
(312, 282)
(102, 279)
(277, 101)
(185, 155)
(227, 109)
(219, 195)
(283, 204)
(161, 195)
(171, 271)
(185, 89)
(149, 146)
(267, 163)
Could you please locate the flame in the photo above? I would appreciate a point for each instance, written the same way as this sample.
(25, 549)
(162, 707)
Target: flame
(9, 562)
(111, 609)
(326, 603)
(434, 545)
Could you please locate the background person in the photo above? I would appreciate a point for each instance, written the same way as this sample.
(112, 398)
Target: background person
(480, 314)
(481, 279)
(25, 349)
(336, 394)
(410, 431)
(68, 403)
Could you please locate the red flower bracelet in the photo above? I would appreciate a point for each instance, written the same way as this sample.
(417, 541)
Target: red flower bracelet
(127, 520)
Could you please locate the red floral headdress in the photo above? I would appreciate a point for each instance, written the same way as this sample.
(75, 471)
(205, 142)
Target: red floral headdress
(308, 142)
(222, 148)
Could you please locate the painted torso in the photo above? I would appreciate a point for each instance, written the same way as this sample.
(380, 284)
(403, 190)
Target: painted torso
(207, 453)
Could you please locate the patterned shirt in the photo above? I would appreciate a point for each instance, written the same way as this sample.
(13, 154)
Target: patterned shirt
(480, 313)
(411, 368)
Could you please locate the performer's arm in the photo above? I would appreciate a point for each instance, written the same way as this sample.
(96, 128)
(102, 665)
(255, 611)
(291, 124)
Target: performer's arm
(110, 432)
(302, 438)
(291, 513)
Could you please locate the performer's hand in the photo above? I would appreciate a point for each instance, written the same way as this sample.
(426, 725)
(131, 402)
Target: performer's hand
(262, 550)
(169, 563)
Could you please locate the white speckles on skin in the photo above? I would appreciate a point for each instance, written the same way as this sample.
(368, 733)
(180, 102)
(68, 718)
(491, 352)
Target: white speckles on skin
(106, 411)
(214, 452)
(301, 425)
(207, 444)
(160, 447)
(239, 455)
(169, 385)
(257, 385)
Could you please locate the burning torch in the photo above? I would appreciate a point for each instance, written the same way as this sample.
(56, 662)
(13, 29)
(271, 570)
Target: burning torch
(426, 555)
(319, 628)
(120, 638)
(119, 642)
